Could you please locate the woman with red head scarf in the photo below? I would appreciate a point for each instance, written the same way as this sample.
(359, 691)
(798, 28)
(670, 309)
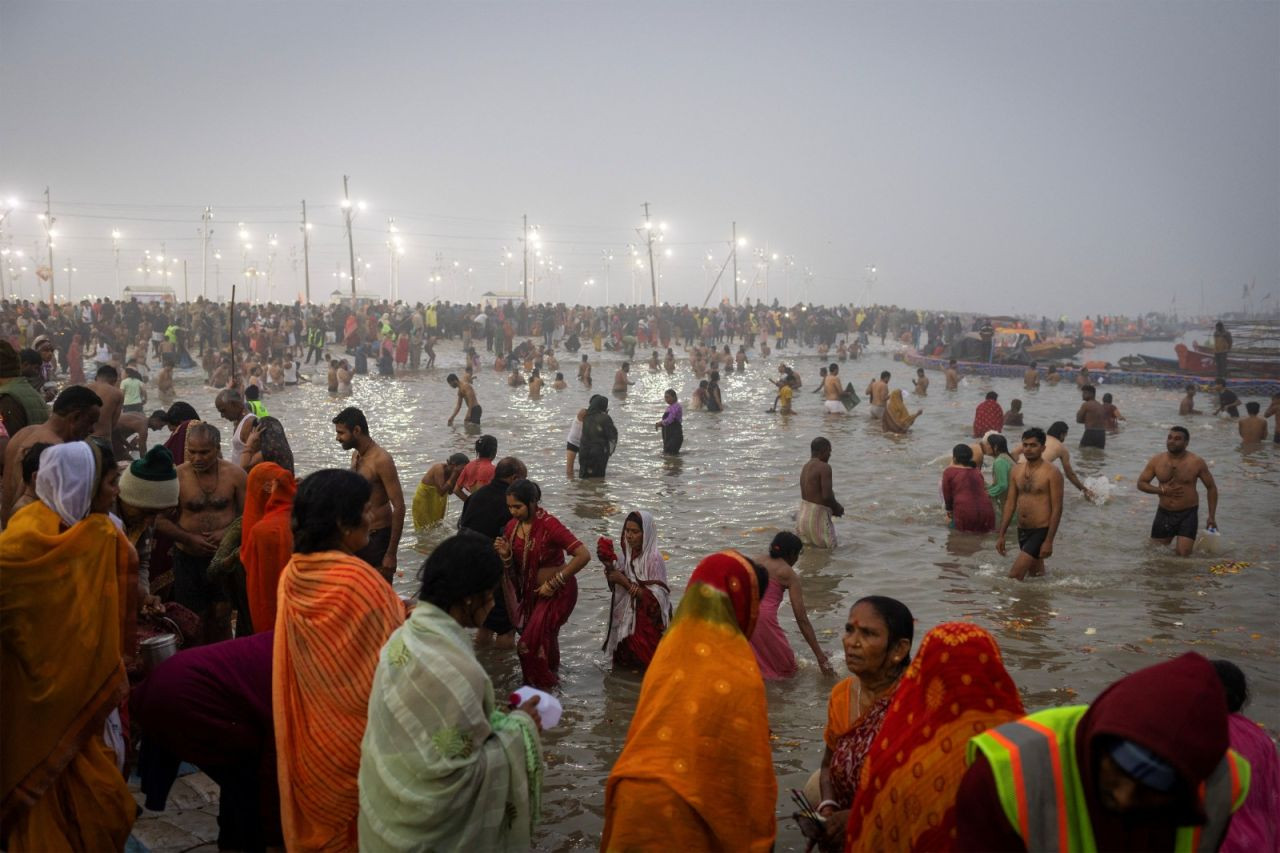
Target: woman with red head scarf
(267, 543)
(696, 772)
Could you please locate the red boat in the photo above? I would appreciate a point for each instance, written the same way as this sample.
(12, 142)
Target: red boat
(1193, 361)
(1196, 361)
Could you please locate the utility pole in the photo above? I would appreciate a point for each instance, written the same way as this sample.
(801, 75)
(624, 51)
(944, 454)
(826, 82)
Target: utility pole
(351, 248)
(205, 233)
(306, 251)
(184, 280)
(525, 277)
(734, 243)
(48, 235)
(653, 279)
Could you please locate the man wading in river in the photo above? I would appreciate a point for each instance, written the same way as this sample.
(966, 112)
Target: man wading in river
(817, 499)
(1176, 472)
(1035, 494)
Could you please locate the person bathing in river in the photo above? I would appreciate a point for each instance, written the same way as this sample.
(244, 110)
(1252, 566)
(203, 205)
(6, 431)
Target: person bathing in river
(878, 395)
(641, 600)
(965, 494)
(1111, 413)
(773, 652)
(1094, 417)
(1176, 472)
(817, 499)
(1253, 427)
(431, 500)
(1188, 404)
(671, 424)
(1013, 417)
(921, 383)
(896, 417)
(1035, 496)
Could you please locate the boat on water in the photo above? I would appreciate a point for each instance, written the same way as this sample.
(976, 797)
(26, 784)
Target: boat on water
(1255, 350)
(1148, 362)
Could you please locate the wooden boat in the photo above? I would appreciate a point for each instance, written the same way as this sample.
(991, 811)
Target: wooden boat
(1148, 362)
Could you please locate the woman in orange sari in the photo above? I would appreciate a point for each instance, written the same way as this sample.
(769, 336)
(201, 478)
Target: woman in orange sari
(267, 540)
(956, 687)
(696, 772)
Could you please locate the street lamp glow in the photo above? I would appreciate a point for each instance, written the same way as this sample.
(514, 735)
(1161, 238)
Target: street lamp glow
(244, 233)
(11, 202)
(115, 233)
(345, 203)
(774, 256)
(742, 241)
(668, 253)
(362, 206)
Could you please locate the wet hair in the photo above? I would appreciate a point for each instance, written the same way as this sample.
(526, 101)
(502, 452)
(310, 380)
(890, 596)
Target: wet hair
(75, 398)
(818, 445)
(963, 455)
(327, 501)
(486, 447)
(833, 367)
(1015, 404)
(1058, 429)
(1252, 407)
(1036, 433)
(626, 365)
(992, 395)
(715, 376)
(459, 567)
(672, 392)
(526, 491)
(999, 444)
(510, 468)
(1088, 391)
(452, 377)
(31, 461)
(1185, 432)
(785, 546)
(1106, 398)
(1234, 682)
(559, 376)
(252, 393)
(207, 430)
(351, 417)
(884, 374)
(107, 372)
(897, 618)
(458, 459)
(1190, 389)
(180, 412)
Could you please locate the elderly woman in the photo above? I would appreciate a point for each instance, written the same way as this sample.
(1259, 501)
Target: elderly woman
(896, 417)
(539, 586)
(443, 765)
(333, 615)
(877, 650)
(696, 772)
(65, 563)
(640, 606)
(599, 438)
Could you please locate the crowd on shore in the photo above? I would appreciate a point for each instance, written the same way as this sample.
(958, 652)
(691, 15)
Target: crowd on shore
(335, 715)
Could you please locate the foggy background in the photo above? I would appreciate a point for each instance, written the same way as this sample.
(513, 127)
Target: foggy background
(1046, 158)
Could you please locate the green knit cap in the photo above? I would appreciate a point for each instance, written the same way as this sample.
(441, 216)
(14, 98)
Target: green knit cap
(152, 481)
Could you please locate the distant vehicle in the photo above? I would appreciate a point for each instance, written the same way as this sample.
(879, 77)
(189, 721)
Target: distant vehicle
(159, 293)
(492, 299)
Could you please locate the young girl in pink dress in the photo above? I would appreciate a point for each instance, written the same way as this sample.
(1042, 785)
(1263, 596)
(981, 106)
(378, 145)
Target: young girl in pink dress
(773, 652)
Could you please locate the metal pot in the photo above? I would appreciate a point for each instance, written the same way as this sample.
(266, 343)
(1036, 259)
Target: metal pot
(155, 649)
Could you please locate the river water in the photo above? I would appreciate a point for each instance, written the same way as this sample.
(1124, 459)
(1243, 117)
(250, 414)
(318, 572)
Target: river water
(1111, 603)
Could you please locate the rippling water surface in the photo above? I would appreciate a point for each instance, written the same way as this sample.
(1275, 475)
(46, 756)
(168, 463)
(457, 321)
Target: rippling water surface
(1111, 603)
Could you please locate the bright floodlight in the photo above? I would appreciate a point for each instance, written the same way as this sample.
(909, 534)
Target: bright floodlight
(662, 226)
(362, 206)
(53, 232)
(11, 202)
(115, 234)
(775, 256)
(668, 253)
(244, 234)
(742, 241)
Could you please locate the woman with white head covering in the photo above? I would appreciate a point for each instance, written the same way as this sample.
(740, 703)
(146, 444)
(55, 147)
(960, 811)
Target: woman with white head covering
(72, 475)
(641, 606)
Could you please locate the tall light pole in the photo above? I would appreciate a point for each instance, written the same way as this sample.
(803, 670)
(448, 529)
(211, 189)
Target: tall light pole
(10, 204)
(69, 269)
(115, 248)
(351, 247)
(205, 233)
(273, 242)
(653, 278)
(306, 251)
(607, 257)
(47, 219)
(217, 275)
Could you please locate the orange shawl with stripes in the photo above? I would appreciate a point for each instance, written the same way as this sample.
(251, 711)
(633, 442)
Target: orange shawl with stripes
(955, 688)
(335, 613)
(64, 599)
(266, 539)
(696, 772)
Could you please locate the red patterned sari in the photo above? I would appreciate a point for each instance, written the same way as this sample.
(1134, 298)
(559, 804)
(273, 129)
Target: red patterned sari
(539, 619)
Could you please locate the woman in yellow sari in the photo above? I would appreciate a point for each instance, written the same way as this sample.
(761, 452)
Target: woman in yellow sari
(696, 772)
(896, 417)
(64, 565)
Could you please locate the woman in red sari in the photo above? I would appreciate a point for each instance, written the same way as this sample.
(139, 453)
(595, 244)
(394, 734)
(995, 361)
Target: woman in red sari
(539, 587)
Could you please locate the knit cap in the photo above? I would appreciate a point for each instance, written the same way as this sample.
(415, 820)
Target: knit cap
(151, 482)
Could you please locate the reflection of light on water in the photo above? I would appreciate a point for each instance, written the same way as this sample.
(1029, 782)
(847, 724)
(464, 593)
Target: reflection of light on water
(736, 483)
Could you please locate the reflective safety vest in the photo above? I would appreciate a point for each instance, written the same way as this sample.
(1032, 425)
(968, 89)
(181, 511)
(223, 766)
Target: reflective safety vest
(1033, 762)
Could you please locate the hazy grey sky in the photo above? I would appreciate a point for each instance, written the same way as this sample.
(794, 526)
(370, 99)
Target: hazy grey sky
(1024, 157)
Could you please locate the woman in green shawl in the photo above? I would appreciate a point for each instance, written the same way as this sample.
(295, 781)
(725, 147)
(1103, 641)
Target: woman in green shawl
(599, 438)
(442, 765)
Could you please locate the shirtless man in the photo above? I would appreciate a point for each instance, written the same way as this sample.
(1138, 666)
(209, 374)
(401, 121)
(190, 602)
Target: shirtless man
(953, 376)
(878, 391)
(345, 373)
(1176, 472)
(1188, 404)
(1227, 400)
(106, 384)
(535, 384)
(210, 497)
(621, 379)
(1094, 417)
(584, 371)
(832, 391)
(386, 503)
(1056, 451)
(1031, 377)
(1083, 378)
(333, 377)
(1052, 376)
(74, 413)
(466, 394)
(164, 382)
(921, 383)
(1035, 493)
(1253, 428)
(817, 499)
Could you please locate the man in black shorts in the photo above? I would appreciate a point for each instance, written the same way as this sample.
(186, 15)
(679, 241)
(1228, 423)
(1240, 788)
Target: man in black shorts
(1176, 472)
(1035, 494)
(1094, 417)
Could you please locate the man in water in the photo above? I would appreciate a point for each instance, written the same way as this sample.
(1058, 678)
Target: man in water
(386, 503)
(1052, 376)
(1253, 428)
(1188, 404)
(1056, 451)
(1035, 494)
(1031, 377)
(817, 499)
(584, 371)
(878, 391)
(106, 384)
(1176, 472)
(73, 415)
(210, 497)
(953, 376)
(921, 382)
(1094, 417)
(466, 394)
(832, 391)
(621, 382)
(1227, 400)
